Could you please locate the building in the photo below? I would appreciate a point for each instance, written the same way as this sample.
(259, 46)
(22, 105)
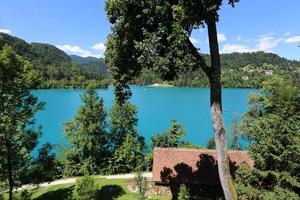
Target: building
(196, 168)
(269, 72)
(245, 78)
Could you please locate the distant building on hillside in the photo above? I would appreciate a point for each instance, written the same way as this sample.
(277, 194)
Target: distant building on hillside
(269, 72)
(196, 168)
(245, 78)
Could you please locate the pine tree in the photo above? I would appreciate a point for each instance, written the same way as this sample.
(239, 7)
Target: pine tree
(88, 137)
(128, 156)
(272, 126)
(123, 122)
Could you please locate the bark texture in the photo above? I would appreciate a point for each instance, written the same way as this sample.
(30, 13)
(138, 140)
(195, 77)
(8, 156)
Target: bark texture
(216, 113)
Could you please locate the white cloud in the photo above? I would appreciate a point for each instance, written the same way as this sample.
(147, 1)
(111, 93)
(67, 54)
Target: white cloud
(76, 50)
(267, 43)
(5, 31)
(230, 48)
(264, 43)
(287, 34)
(221, 37)
(193, 40)
(100, 47)
(294, 39)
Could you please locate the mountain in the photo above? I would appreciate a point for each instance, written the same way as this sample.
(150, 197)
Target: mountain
(238, 70)
(92, 66)
(83, 60)
(55, 67)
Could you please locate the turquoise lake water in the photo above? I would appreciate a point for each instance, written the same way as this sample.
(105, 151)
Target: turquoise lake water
(156, 107)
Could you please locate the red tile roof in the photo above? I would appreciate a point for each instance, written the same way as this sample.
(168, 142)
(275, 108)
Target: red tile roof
(182, 165)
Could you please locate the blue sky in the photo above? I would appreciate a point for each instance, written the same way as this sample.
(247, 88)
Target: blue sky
(80, 27)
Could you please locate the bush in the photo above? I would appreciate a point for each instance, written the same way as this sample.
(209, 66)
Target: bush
(183, 193)
(25, 195)
(141, 184)
(85, 189)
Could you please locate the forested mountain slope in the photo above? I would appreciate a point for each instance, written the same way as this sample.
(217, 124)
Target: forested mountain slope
(55, 67)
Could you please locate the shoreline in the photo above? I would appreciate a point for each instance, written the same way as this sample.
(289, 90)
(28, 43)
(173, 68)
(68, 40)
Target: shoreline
(160, 85)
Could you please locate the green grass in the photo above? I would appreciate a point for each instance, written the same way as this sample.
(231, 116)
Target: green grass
(108, 189)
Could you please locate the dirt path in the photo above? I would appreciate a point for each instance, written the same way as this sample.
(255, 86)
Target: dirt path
(72, 180)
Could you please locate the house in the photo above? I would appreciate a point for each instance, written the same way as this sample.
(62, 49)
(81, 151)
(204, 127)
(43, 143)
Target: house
(269, 72)
(245, 78)
(196, 168)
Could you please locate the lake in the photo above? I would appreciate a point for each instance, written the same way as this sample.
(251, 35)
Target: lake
(156, 107)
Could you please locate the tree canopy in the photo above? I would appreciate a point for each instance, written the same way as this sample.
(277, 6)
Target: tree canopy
(272, 126)
(88, 137)
(18, 132)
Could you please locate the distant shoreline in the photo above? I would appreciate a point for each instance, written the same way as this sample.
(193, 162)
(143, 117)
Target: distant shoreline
(160, 85)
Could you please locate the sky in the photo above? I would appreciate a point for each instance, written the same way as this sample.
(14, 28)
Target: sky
(80, 27)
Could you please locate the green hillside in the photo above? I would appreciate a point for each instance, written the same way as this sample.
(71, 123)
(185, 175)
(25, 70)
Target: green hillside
(59, 70)
(238, 70)
(55, 67)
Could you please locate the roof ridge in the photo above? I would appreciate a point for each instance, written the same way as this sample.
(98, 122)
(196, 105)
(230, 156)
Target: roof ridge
(195, 149)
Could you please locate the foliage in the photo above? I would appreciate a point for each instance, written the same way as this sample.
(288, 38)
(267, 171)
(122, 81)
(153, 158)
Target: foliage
(94, 68)
(17, 125)
(147, 77)
(141, 184)
(128, 156)
(85, 189)
(272, 126)
(55, 67)
(211, 144)
(88, 137)
(173, 137)
(45, 165)
(234, 134)
(25, 195)
(183, 193)
(123, 121)
(238, 70)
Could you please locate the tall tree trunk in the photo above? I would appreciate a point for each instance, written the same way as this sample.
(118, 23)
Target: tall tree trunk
(9, 170)
(216, 113)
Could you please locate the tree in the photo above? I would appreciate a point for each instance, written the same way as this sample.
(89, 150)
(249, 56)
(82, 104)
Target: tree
(88, 137)
(85, 189)
(123, 121)
(126, 146)
(45, 165)
(141, 184)
(211, 144)
(272, 126)
(128, 156)
(17, 108)
(155, 34)
(234, 134)
(173, 137)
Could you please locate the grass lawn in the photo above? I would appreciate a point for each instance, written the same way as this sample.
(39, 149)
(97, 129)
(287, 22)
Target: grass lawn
(107, 189)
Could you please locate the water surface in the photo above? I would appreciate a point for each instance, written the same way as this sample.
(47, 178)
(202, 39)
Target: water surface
(156, 107)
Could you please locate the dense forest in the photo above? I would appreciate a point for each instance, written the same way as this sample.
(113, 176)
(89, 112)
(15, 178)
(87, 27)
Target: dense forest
(55, 68)
(59, 70)
(238, 70)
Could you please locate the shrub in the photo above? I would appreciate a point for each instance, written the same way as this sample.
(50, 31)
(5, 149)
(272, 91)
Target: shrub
(25, 195)
(141, 184)
(84, 189)
(183, 193)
